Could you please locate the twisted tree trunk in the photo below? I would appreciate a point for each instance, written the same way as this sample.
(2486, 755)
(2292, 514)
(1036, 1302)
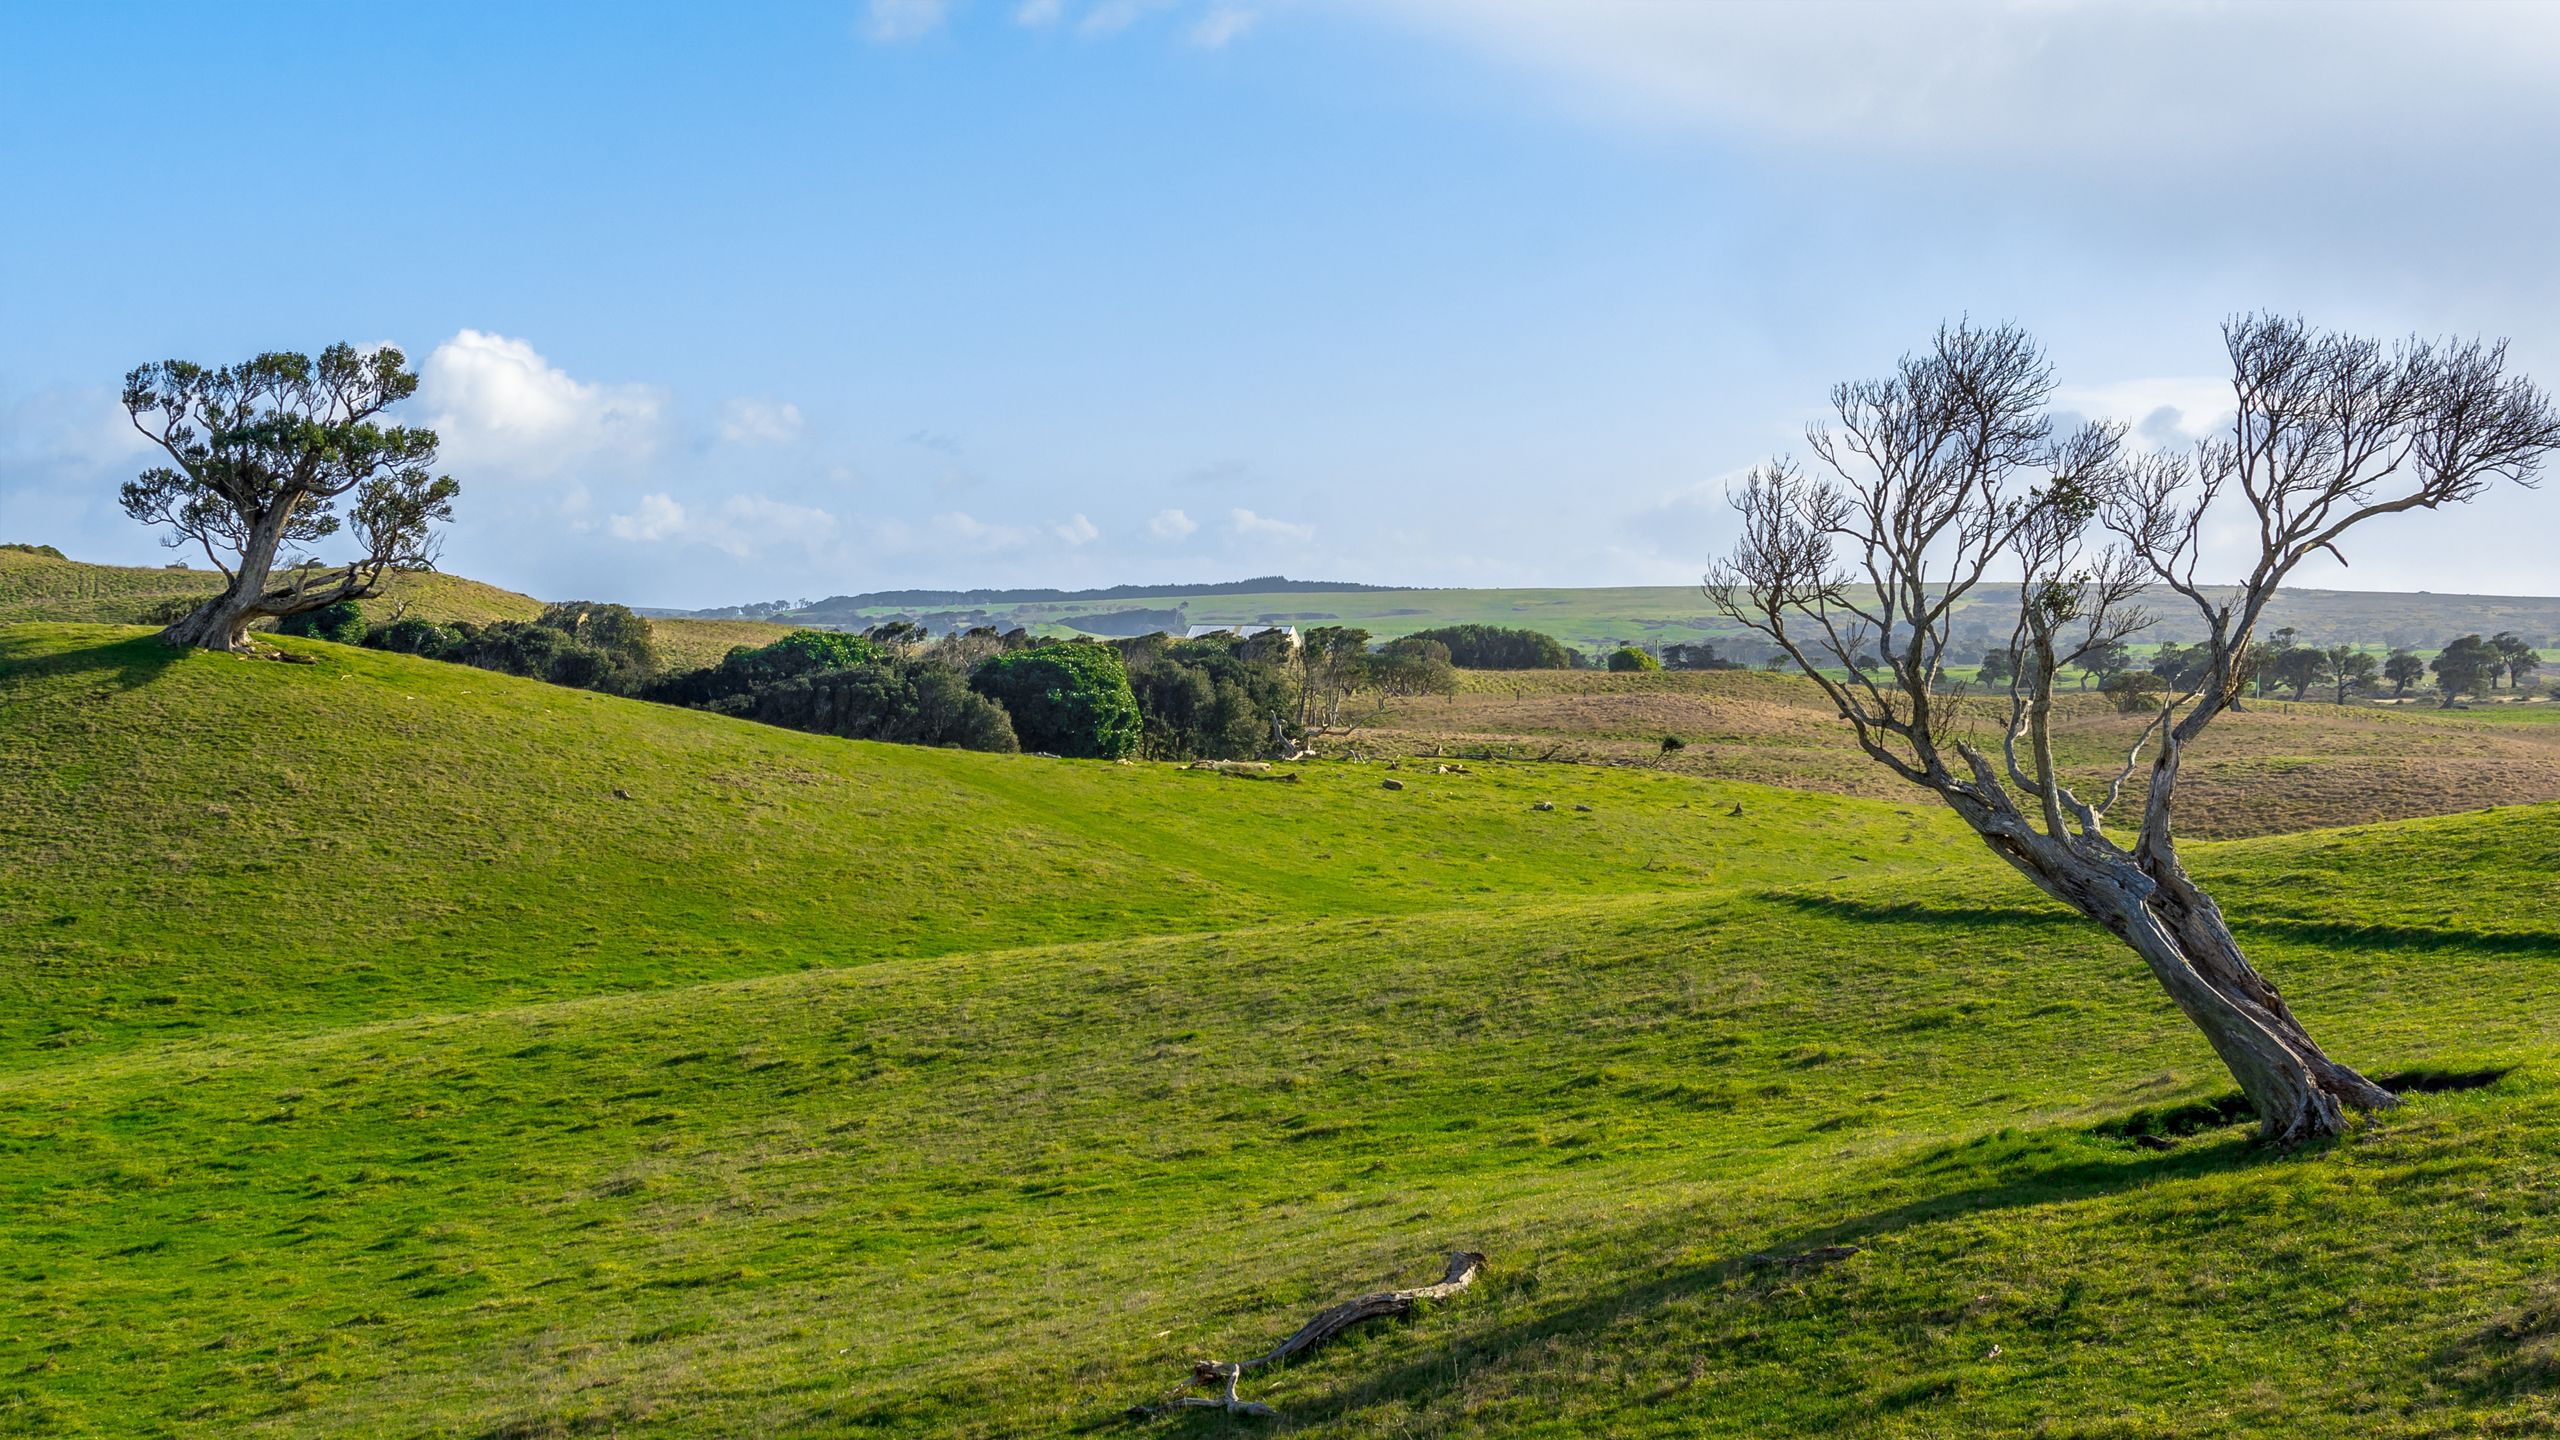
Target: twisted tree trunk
(2298, 1092)
(222, 623)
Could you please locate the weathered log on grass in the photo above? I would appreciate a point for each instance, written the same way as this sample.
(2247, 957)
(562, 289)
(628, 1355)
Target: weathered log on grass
(1464, 1265)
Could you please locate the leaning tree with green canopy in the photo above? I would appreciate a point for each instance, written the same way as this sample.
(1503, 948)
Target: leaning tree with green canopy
(275, 454)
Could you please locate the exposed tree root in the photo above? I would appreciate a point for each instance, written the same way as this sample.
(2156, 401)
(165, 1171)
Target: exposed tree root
(1464, 1265)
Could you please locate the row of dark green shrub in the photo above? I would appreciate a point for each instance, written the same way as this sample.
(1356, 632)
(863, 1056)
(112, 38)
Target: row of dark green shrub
(1217, 697)
(1223, 696)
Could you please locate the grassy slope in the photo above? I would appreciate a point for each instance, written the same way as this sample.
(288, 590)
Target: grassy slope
(2275, 767)
(40, 588)
(1207, 1083)
(691, 644)
(187, 827)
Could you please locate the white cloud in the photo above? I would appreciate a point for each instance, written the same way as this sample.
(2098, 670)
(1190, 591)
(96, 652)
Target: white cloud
(890, 21)
(1244, 522)
(2207, 83)
(2163, 413)
(742, 527)
(1171, 525)
(659, 518)
(497, 404)
(760, 422)
(1037, 13)
(82, 429)
(974, 533)
(1077, 531)
(1222, 24)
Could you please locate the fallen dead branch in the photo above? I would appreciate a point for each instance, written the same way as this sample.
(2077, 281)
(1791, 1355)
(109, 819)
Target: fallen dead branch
(1464, 1266)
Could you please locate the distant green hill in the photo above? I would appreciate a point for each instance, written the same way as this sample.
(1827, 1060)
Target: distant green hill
(1595, 619)
(397, 1048)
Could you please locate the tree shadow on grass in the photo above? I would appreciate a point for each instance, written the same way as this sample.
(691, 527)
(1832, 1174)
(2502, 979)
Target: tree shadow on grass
(2058, 1166)
(127, 664)
(1964, 917)
(2328, 935)
(2401, 937)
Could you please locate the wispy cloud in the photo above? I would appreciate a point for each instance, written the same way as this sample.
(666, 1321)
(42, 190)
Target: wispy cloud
(743, 527)
(760, 422)
(1223, 24)
(2006, 77)
(1246, 524)
(889, 21)
(1077, 530)
(1107, 16)
(2163, 413)
(969, 532)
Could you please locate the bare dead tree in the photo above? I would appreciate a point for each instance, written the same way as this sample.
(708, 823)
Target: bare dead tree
(263, 453)
(1948, 471)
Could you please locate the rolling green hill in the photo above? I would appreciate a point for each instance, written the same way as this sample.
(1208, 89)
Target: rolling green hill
(397, 1049)
(40, 587)
(36, 587)
(1601, 617)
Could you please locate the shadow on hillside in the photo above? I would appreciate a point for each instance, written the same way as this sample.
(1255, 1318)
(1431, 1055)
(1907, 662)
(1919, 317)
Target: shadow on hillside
(2335, 936)
(1969, 917)
(125, 664)
(2515, 1356)
(2401, 937)
(1796, 1256)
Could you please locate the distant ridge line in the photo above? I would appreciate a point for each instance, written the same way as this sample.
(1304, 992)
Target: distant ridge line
(1258, 585)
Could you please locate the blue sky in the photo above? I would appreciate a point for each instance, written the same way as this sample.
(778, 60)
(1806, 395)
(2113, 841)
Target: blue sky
(728, 303)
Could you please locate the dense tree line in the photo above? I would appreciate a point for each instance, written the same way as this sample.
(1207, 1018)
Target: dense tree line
(1701, 656)
(1494, 647)
(2282, 667)
(1070, 698)
(1219, 697)
(583, 644)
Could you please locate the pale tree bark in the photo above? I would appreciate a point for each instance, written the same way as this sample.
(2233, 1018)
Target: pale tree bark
(1947, 471)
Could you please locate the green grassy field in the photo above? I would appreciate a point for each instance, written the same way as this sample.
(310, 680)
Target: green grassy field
(40, 588)
(2272, 768)
(1598, 618)
(396, 1076)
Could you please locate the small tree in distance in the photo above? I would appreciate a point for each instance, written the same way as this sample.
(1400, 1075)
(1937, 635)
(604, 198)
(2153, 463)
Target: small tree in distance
(264, 451)
(2350, 671)
(1948, 470)
(2516, 656)
(1628, 657)
(2468, 666)
(2403, 670)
